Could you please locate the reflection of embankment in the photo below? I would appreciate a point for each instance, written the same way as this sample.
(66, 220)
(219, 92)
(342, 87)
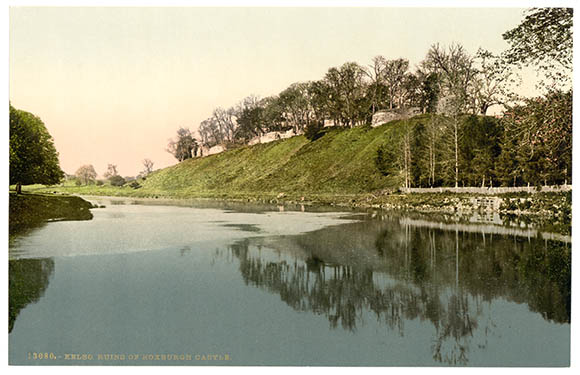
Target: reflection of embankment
(28, 279)
(402, 273)
(30, 211)
(486, 229)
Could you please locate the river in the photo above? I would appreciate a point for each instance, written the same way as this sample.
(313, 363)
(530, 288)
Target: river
(209, 284)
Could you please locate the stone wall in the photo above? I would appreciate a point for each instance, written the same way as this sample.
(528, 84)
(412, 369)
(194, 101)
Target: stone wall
(272, 136)
(384, 116)
(489, 190)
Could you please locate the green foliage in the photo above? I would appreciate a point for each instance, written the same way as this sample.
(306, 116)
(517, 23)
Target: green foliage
(386, 160)
(480, 148)
(33, 157)
(135, 185)
(544, 39)
(249, 123)
(117, 180)
(184, 147)
(314, 131)
(537, 146)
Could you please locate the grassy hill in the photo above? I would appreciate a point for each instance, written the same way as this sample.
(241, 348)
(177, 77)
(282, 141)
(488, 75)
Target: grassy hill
(340, 162)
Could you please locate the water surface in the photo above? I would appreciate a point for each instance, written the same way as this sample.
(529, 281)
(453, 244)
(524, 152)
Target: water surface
(245, 286)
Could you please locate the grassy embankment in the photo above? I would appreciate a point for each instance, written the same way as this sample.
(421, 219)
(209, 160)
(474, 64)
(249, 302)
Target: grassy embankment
(337, 169)
(27, 211)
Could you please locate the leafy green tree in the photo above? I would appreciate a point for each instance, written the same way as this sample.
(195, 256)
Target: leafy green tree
(480, 150)
(273, 113)
(295, 106)
(33, 157)
(184, 147)
(250, 123)
(543, 40)
(347, 102)
(539, 134)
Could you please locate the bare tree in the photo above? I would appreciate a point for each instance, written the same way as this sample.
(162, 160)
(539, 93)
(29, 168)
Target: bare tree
(456, 67)
(376, 74)
(111, 171)
(394, 76)
(492, 84)
(148, 164)
(86, 174)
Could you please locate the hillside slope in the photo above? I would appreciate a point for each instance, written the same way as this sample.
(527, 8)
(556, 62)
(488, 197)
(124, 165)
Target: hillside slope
(340, 162)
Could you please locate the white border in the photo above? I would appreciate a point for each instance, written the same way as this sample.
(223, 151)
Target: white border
(4, 17)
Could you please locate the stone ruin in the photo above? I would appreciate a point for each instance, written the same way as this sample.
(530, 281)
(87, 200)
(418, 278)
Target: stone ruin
(384, 116)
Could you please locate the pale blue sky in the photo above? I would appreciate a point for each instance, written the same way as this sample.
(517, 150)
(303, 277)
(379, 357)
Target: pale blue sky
(113, 84)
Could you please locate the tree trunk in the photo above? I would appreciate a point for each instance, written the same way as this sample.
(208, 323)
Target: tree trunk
(18, 188)
(456, 153)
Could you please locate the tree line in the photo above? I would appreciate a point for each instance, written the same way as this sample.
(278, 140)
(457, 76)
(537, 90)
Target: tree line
(349, 95)
(530, 143)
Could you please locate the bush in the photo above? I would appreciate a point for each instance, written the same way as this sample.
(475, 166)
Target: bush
(313, 131)
(100, 183)
(135, 185)
(78, 182)
(117, 181)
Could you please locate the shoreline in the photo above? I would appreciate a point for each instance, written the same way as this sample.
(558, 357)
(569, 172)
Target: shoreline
(543, 208)
(549, 212)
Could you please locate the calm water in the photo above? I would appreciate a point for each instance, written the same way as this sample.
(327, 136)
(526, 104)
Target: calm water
(171, 285)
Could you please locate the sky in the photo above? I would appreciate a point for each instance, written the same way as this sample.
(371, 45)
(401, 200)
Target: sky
(113, 85)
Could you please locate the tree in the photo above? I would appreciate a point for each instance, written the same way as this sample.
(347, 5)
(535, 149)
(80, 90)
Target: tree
(33, 157)
(148, 164)
(111, 171)
(347, 103)
(394, 76)
(491, 85)
(86, 174)
(377, 88)
(543, 40)
(455, 67)
(294, 102)
(273, 113)
(226, 123)
(184, 147)
(250, 123)
(539, 136)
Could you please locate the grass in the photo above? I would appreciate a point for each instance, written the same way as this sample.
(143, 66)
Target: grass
(339, 163)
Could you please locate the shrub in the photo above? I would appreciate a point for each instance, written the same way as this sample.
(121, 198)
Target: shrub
(313, 131)
(135, 185)
(117, 181)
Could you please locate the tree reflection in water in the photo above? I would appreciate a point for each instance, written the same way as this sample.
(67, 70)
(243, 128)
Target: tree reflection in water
(402, 273)
(28, 279)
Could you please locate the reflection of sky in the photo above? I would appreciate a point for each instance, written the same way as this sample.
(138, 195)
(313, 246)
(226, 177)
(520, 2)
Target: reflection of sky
(129, 228)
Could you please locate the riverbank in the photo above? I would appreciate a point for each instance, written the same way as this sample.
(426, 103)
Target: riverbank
(29, 210)
(546, 209)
